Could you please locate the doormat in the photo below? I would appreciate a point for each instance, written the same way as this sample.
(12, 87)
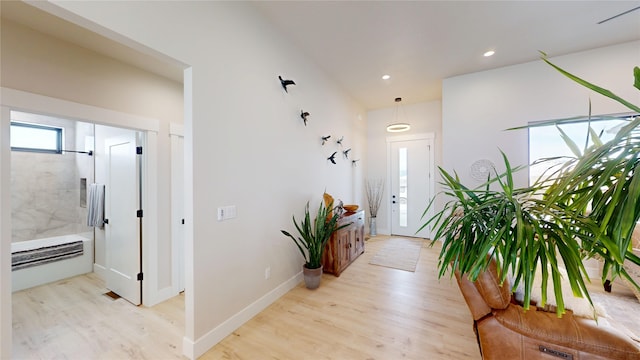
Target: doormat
(399, 253)
(112, 295)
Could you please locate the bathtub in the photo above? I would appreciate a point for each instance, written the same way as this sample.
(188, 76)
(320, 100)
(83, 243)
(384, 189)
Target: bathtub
(52, 271)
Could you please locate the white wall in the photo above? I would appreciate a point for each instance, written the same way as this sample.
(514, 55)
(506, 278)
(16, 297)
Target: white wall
(424, 118)
(249, 149)
(477, 108)
(55, 68)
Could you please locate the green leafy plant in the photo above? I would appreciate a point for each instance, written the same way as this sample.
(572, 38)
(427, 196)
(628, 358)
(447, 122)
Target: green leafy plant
(606, 179)
(513, 225)
(315, 234)
(587, 208)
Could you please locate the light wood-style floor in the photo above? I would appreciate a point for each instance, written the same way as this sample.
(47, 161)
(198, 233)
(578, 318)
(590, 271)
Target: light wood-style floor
(73, 319)
(369, 312)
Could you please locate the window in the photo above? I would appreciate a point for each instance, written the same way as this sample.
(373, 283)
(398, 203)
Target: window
(403, 191)
(36, 138)
(546, 141)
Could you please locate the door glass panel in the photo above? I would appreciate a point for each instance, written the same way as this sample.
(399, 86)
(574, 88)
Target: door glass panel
(402, 183)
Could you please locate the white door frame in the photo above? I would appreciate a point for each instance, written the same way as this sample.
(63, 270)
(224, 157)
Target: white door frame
(430, 137)
(178, 238)
(12, 99)
(5, 235)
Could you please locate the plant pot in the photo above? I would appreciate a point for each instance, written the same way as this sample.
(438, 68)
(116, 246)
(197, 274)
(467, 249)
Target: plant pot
(312, 277)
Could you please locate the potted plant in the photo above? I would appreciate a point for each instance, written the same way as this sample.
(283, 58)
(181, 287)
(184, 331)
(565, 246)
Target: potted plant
(587, 208)
(313, 238)
(514, 226)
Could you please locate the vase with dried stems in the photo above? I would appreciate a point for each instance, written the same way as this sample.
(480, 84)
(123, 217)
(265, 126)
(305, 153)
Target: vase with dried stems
(374, 190)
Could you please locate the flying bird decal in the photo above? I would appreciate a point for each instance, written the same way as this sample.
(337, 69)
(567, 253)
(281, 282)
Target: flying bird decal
(304, 115)
(332, 158)
(346, 153)
(285, 83)
(339, 141)
(325, 138)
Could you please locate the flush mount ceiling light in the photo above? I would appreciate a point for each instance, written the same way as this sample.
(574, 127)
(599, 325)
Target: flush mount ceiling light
(489, 53)
(398, 126)
(386, 77)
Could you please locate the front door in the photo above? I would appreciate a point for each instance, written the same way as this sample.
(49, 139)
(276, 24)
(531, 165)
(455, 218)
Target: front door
(122, 202)
(411, 164)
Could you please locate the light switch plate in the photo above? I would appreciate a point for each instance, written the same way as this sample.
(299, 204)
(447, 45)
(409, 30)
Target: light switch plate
(227, 212)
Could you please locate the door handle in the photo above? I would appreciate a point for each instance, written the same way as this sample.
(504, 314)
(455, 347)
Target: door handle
(106, 221)
(393, 202)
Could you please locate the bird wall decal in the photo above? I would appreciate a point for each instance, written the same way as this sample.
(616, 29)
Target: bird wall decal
(332, 158)
(325, 138)
(346, 153)
(339, 141)
(285, 83)
(354, 162)
(304, 115)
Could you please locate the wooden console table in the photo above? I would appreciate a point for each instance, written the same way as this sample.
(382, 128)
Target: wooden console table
(345, 245)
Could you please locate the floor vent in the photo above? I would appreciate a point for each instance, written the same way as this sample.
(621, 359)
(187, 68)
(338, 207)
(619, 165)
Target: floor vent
(112, 295)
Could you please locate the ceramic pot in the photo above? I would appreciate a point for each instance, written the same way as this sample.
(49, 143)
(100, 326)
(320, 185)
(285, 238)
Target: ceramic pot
(312, 277)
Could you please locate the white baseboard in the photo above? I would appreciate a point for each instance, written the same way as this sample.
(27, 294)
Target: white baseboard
(193, 349)
(188, 348)
(161, 295)
(100, 270)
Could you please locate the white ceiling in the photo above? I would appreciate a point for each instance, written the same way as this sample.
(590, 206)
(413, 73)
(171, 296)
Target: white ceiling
(418, 43)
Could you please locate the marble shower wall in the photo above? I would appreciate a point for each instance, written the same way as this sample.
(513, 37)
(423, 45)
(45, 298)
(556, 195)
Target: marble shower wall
(46, 188)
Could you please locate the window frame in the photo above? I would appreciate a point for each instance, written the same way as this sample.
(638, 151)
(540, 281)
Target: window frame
(56, 129)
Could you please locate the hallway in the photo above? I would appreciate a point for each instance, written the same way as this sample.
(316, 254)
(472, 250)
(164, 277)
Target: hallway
(368, 312)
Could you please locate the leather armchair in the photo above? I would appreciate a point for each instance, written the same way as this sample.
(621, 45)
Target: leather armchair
(506, 331)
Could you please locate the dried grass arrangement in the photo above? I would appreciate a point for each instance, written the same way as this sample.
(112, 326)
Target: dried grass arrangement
(374, 190)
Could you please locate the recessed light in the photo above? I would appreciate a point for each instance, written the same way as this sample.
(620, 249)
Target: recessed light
(386, 77)
(489, 53)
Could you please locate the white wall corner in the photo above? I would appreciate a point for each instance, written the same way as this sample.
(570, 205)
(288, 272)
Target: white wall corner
(193, 349)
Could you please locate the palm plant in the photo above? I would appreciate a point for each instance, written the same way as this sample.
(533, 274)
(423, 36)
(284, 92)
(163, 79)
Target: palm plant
(607, 179)
(548, 224)
(513, 225)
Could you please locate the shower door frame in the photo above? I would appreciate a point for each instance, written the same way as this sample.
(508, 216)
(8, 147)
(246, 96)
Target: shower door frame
(10, 100)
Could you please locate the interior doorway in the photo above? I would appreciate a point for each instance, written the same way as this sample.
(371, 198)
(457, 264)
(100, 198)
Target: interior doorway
(410, 168)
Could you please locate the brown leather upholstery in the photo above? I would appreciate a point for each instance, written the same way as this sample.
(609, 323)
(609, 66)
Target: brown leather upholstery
(506, 331)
